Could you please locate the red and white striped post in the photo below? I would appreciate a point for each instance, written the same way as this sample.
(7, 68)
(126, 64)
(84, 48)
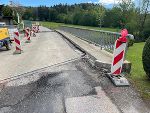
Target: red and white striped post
(27, 35)
(17, 43)
(37, 28)
(33, 31)
(119, 53)
(118, 60)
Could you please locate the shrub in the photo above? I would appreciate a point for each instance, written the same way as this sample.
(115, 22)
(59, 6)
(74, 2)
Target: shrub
(146, 31)
(14, 22)
(130, 42)
(146, 57)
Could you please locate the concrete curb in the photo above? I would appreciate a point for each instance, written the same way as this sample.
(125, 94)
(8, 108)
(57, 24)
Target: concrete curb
(99, 64)
(76, 45)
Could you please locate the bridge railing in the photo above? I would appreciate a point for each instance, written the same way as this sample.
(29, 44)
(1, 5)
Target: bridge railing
(104, 39)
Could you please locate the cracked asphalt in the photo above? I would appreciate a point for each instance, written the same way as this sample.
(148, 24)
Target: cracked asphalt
(74, 79)
(47, 91)
(51, 90)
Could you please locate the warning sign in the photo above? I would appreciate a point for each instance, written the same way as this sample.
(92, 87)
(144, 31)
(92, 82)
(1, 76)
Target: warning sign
(3, 33)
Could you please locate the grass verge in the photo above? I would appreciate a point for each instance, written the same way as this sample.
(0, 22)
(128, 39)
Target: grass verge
(96, 28)
(138, 76)
(54, 25)
(51, 25)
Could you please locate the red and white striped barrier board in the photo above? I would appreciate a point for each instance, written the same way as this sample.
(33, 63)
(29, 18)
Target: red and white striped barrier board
(33, 31)
(37, 28)
(27, 35)
(119, 53)
(34, 28)
(17, 43)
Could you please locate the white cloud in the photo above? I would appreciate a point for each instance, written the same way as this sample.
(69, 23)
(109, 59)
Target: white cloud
(89, 1)
(108, 1)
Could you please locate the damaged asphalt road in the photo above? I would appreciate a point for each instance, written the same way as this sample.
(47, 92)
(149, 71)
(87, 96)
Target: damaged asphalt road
(74, 79)
(50, 91)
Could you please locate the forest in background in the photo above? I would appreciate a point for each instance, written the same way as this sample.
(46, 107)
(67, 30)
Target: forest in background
(124, 15)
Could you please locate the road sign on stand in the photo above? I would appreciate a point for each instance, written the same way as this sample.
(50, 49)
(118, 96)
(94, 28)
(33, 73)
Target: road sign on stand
(118, 58)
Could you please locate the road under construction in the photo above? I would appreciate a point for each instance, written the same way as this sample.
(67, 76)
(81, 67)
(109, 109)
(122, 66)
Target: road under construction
(54, 75)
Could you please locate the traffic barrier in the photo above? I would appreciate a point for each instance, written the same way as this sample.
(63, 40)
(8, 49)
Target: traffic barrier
(27, 35)
(33, 31)
(37, 28)
(37, 25)
(17, 43)
(118, 58)
(33, 28)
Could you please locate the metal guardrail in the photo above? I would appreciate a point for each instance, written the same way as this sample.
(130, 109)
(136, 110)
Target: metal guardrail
(104, 39)
(27, 23)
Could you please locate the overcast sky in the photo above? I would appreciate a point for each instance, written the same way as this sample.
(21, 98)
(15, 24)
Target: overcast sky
(54, 2)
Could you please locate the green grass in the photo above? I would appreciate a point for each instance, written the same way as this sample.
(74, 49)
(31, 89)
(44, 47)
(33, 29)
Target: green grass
(51, 25)
(54, 25)
(138, 76)
(96, 28)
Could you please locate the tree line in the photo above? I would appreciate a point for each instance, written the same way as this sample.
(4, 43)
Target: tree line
(124, 15)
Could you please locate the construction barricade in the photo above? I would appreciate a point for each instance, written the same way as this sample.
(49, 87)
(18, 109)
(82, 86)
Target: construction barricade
(33, 30)
(27, 35)
(118, 59)
(17, 42)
